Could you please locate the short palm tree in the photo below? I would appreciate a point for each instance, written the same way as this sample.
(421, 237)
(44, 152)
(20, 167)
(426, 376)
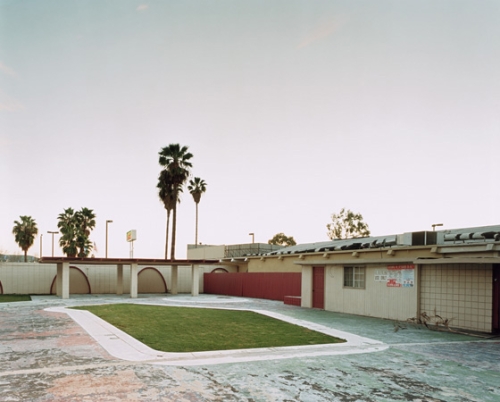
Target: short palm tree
(75, 227)
(196, 188)
(175, 159)
(24, 232)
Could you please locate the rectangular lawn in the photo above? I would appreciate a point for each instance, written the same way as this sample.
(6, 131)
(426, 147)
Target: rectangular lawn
(186, 329)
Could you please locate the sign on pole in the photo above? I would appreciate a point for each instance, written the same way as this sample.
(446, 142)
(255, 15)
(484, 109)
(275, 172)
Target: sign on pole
(131, 236)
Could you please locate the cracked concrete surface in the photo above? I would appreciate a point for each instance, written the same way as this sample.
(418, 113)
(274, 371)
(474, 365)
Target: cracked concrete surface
(46, 356)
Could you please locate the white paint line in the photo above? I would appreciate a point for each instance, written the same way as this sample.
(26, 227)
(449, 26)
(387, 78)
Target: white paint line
(122, 346)
(207, 300)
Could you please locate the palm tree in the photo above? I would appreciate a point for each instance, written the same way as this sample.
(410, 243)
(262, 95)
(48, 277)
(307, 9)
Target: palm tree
(175, 159)
(75, 227)
(196, 188)
(85, 219)
(24, 232)
(67, 227)
(167, 196)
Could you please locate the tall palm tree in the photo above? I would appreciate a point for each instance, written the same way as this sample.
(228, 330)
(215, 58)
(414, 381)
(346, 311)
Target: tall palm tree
(196, 188)
(167, 196)
(24, 232)
(175, 159)
(85, 220)
(67, 227)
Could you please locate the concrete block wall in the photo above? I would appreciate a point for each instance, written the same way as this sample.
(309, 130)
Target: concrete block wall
(458, 292)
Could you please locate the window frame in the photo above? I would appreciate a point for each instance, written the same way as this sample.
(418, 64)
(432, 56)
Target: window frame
(354, 277)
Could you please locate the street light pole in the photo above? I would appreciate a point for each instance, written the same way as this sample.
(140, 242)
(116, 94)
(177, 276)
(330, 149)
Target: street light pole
(52, 233)
(41, 242)
(107, 222)
(434, 226)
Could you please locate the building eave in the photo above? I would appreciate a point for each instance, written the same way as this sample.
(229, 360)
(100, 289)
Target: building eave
(356, 261)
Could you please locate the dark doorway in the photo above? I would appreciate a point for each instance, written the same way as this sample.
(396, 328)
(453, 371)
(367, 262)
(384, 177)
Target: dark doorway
(318, 287)
(496, 298)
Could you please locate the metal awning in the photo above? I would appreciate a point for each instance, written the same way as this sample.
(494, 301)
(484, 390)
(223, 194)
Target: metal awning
(458, 260)
(397, 261)
(356, 261)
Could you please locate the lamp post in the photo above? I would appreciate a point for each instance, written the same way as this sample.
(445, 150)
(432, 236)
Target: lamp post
(107, 222)
(41, 242)
(434, 226)
(52, 233)
(253, 237)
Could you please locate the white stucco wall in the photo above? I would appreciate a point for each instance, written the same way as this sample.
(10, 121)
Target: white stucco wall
(34, 278)
(376, 299)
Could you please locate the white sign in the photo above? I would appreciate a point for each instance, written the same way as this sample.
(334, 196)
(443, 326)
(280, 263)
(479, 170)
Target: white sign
(131, 235)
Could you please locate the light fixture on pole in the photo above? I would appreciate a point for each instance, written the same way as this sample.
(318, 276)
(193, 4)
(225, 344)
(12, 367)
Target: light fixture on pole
(107, 222)
(253, 237)
(52, 233)
(434, 226)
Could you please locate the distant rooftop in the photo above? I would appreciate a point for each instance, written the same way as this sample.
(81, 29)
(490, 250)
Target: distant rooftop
(448, 236)
(241, 250)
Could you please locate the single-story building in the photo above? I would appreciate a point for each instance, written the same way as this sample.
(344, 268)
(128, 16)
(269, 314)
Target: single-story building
(449, 277)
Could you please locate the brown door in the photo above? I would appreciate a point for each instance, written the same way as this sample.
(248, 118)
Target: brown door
(318, 287)
(496, 298)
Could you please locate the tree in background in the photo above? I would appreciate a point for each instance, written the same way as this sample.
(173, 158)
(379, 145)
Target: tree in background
(86, 223)
(67, 227)
(168, 197)
(25, 231)
(281, 239)
(196, 188)
(75, 228)
(346, 224)
(175, 159)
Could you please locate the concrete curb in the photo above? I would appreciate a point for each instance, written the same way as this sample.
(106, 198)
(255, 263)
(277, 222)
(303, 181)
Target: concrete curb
(121, 345)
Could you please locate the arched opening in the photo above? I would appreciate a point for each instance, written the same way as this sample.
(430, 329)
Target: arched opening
(150, 280)
(78, 282)
(219, 271)
(1, 288)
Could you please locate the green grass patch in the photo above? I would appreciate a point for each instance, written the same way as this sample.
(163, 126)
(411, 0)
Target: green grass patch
(14, 298)
(185, 329)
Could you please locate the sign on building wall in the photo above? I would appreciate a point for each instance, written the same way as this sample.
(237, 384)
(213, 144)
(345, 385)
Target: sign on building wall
(381, 275)
(400, 276)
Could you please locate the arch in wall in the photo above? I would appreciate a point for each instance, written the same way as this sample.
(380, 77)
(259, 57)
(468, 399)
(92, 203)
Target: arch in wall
(1, 288)
(150, 280)
(219, 271)
(78, 282)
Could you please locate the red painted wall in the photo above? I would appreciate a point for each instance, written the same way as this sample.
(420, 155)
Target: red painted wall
(268, 285)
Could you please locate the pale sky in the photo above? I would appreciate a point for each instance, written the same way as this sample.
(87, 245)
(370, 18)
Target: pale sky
(292, 109)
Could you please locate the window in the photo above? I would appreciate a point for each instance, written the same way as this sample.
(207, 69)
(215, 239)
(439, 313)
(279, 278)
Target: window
(354, 277)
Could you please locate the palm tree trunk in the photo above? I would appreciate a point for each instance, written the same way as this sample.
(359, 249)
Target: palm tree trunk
(174, 227)
(196, 231)
(25, 256)
(166, 237)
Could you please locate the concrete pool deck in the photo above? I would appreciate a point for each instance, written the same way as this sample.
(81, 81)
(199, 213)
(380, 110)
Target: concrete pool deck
(47, 356)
